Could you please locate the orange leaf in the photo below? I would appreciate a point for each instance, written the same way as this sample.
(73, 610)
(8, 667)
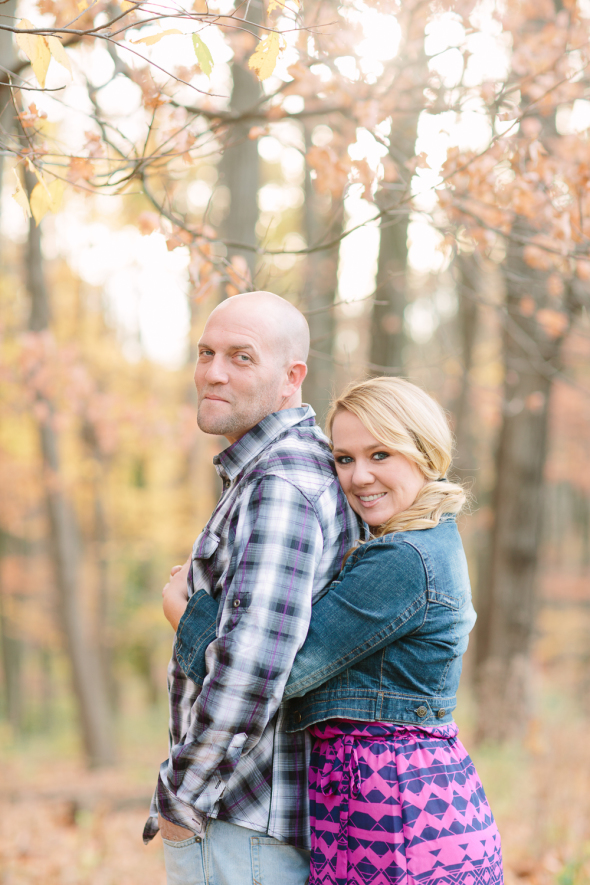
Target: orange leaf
(553, 322)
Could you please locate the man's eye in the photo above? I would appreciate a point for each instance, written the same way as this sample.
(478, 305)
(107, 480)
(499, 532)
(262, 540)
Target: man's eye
(380, 456)
(203, 353)
(343, 459)
(243, 358)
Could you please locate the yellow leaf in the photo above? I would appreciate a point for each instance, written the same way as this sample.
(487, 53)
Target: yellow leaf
(36, 49)
(57, 50)
(274, 4)
(204, 57)
(155, 38)
(200, 7)
(82, 5)
(264, 60)
(46, 198)
(126, 5)
(20, 196)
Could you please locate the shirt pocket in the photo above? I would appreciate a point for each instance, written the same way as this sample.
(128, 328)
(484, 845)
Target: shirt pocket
(206, 545)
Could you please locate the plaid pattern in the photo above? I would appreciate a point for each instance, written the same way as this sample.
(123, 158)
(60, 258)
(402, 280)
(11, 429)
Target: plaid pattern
(275, 541)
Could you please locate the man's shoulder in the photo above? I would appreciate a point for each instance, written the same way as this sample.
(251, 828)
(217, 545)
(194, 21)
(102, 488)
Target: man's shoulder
(302, 457)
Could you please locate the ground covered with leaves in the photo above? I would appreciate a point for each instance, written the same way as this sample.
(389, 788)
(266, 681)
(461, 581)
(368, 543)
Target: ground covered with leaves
(61, 824)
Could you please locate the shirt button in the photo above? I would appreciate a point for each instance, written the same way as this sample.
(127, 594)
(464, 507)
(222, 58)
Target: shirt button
(441, 713)
(236, 603)
(421, 712)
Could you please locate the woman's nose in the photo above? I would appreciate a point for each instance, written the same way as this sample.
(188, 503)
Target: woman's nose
(362, 474)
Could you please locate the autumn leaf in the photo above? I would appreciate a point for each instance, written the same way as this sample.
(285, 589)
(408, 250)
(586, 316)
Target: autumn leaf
(148, 222)
(257, 132)
(527, 306)
(331, 171)
(553, 322)
(36, 49)
(20, 196)
(537, 257)
(80, 168)
(46, 198)
(264, 60)
(203, 55)
(57, 50)
(200, 7)
(274, 4)
(155, 38)
(31, 116)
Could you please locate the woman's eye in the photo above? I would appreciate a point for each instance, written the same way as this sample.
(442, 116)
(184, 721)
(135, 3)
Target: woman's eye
(343, 459)
(380, 456)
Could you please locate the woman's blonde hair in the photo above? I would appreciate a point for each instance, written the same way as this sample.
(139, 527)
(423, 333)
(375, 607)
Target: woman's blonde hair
(403, 417)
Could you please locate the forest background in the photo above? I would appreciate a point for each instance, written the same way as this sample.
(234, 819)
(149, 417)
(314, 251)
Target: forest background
(415, 177)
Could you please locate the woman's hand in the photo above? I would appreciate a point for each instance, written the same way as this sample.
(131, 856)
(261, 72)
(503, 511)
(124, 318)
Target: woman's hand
(175, 594)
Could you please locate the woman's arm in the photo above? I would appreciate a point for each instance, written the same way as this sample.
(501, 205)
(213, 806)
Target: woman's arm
(196, 630)
(379, 600)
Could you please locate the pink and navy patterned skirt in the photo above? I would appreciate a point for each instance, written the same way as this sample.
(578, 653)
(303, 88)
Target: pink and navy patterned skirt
(397, 805)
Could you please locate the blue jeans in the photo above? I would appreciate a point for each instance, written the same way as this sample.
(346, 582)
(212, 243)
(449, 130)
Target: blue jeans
(225, 854)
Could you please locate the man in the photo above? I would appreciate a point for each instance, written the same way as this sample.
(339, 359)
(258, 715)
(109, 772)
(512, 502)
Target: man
(231, 799)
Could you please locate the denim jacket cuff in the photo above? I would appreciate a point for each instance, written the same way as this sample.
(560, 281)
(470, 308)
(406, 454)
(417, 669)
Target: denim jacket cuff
(196, 630)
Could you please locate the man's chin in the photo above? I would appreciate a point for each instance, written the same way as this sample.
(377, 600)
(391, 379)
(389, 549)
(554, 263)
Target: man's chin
(214, 416)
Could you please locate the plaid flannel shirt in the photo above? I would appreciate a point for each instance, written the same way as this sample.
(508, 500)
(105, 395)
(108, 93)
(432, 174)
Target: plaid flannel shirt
(275, 541)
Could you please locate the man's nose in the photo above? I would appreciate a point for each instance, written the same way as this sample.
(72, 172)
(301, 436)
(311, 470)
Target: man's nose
(216, 373)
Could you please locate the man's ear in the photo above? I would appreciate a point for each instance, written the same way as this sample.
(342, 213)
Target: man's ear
(295, 376)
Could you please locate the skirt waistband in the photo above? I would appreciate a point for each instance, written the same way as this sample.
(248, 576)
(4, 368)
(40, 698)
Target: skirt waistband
(335, 728)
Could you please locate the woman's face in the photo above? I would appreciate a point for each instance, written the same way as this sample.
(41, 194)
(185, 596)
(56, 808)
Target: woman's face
(378, 482)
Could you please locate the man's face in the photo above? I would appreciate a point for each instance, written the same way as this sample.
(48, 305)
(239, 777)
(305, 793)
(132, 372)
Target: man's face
(239, 375)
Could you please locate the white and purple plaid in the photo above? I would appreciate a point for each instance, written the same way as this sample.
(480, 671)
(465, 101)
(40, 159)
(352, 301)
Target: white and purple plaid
(275, 541)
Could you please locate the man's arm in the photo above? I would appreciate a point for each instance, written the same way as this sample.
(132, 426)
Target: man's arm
(266, 609)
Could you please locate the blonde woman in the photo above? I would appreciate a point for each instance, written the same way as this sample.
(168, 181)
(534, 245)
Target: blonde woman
(394, 796)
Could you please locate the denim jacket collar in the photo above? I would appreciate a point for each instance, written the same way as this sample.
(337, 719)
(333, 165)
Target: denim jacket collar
(232, 460)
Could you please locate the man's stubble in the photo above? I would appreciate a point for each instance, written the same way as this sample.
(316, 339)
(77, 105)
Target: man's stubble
(242, 417)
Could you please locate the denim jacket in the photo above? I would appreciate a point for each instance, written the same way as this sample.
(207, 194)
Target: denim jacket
(386, 641)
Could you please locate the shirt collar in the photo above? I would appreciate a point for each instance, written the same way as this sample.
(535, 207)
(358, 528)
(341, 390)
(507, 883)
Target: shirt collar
(233, 459)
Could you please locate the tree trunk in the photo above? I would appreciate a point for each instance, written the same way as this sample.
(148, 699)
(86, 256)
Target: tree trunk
(469, 275)
(323, 219)
(507, 597)
(387, 319)
(7, 60)
(64, 538)
(240, 161)
(11, 670)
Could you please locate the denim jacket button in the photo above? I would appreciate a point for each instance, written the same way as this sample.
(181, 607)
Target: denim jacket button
(421, 712)
(441, 713)
(297, 716)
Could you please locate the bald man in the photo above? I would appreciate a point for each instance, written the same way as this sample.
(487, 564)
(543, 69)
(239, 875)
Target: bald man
(232, 800)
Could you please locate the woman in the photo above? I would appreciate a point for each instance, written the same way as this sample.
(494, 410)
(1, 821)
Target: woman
(394, 797)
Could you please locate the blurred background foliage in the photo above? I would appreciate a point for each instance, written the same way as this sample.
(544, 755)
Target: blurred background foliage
(415, 177)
